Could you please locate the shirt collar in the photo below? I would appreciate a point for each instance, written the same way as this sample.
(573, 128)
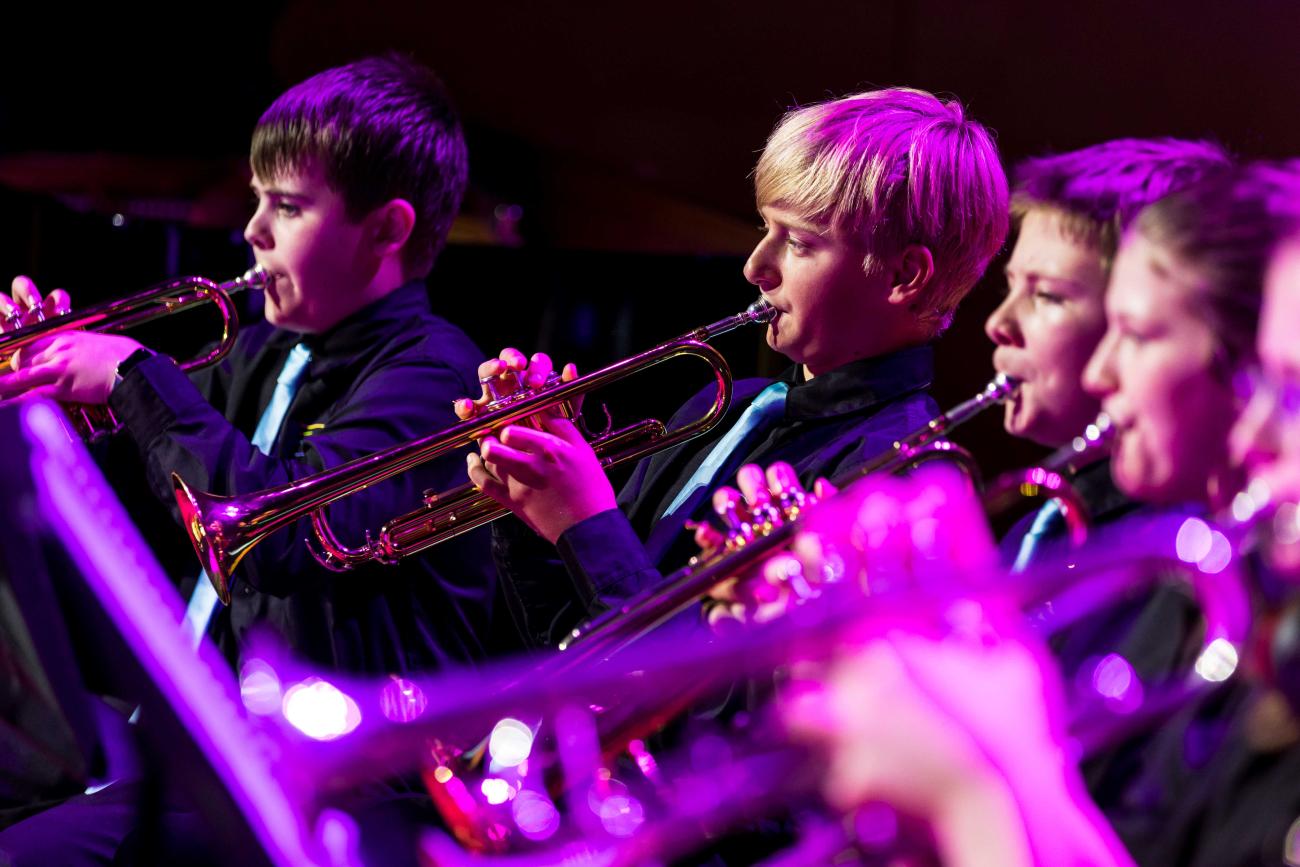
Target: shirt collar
(858, 385)
(364, 329)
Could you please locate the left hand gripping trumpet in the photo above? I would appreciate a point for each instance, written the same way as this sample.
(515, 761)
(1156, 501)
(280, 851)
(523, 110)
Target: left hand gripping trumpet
(112, 317)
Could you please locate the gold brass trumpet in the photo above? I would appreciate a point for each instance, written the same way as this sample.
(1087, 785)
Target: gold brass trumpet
(618, 627)
(1050, 480)
(406, 724)
(224, 529)
(122, 314)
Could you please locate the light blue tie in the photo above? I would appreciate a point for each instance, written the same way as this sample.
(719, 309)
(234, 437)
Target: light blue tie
(203, 601)
(769, 403)
(1047, 522)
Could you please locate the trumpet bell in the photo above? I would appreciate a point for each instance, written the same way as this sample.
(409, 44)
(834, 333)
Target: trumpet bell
(212, 523)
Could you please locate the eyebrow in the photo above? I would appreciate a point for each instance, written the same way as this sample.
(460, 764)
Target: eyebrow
(273, 191)
(1008, 271)
(797, 223)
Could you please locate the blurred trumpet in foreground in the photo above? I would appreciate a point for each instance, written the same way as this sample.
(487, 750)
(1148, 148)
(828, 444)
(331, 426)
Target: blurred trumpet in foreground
(493, 746)
(773, 528)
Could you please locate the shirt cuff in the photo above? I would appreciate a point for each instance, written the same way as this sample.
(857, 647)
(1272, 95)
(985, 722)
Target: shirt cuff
(606, 559)
(151, 396)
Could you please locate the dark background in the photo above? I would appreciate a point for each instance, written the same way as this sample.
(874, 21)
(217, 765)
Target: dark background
(610, 143)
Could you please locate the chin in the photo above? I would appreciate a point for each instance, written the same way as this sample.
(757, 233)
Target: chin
(1022, 424)
(1131, 481)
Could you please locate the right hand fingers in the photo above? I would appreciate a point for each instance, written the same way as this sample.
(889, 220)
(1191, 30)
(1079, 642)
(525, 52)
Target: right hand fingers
(25, 293)
(57, 303)
(505, 374)
(26, 299)
(483, 479)
(729, 505)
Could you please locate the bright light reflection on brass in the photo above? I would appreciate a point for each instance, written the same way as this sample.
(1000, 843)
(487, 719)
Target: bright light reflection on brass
(535, 815)
(320, 710)
(510, 743)
(1218, 661)
(259, 688)
(402, 701)
(1193, 540)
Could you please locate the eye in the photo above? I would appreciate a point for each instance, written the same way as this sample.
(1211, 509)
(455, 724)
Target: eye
(1048, 297)
(796, 245)
(287, 209)
(1136, 338)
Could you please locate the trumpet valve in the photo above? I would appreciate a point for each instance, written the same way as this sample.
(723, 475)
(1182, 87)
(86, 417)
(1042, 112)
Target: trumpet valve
(730, 507)
(793, 503)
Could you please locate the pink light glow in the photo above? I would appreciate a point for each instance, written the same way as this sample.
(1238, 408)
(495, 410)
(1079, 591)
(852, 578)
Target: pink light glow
(320, 710)
(511, 743)
(1218, 557)
(259, 688)
(1193, 540)
(621, 815)
(1114, 679)
(402, 701)
(496, 790)
(645, 760)
(536, 816)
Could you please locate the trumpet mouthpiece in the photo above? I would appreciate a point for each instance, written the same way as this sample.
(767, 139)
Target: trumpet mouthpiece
(760, 311)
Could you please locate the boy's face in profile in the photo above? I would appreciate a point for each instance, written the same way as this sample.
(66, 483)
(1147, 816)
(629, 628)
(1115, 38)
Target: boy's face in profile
(314, 252)
(816, 279)
(1266, 440)
(1156, 375)
(1046, 329)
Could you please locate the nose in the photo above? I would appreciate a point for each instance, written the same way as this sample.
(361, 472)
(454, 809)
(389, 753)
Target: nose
(760, 268)
(256, 232)
(1255, 441)
(1003, 324)
(1099, 378)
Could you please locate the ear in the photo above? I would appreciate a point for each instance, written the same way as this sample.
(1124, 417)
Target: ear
(390, 225)
(912, 273)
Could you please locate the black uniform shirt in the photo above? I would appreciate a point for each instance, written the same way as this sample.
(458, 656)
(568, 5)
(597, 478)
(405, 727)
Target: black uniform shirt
(385, 375)
(831, 424)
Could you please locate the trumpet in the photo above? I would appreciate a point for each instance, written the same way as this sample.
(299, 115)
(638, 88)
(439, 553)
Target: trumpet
(403, 723)
(224, 529)
(1050, 480)
(620, 626)
(111, 317)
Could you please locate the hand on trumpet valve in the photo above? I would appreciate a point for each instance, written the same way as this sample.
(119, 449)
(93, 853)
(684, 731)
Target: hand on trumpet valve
(763, 502)
(545, 472)
(891, 534)
(26, 306)
(68, 366)
(510, 374)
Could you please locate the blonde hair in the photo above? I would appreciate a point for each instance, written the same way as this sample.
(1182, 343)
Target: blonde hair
(895, 167)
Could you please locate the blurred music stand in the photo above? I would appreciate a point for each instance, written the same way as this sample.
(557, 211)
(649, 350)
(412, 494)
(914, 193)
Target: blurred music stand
(99, 617)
